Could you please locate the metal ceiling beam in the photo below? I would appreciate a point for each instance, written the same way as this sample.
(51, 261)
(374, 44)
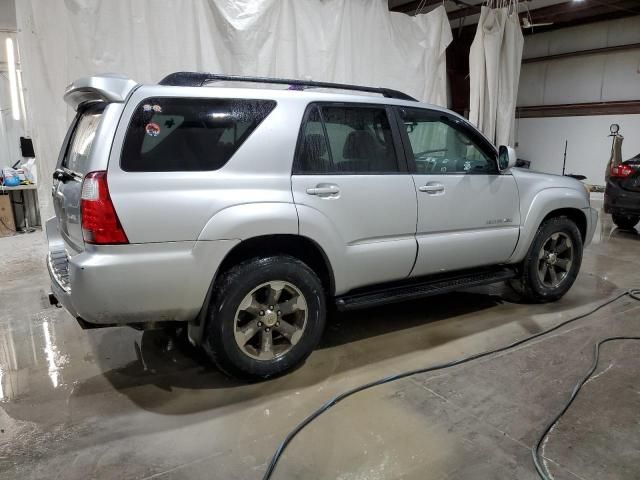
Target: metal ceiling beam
(412, 7)
(588, 9)
(560, 11)
(567, 12)
(579, 109)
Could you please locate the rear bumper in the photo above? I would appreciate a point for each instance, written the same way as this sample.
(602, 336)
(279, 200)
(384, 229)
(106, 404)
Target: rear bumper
(123, 284)
(620, 201)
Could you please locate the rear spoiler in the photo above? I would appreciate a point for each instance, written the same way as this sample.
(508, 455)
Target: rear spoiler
(102, 88)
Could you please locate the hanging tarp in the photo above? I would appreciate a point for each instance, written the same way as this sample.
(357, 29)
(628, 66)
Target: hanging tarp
(495, 59)
(352, 41)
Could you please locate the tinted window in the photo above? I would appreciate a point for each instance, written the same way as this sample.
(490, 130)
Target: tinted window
(188, 134)
(313, 153)
(346, 139)
(77, 155)
(439, 145)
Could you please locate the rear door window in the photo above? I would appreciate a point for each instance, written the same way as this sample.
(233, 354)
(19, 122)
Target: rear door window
(77, 157)
(189, 134)
(346, 139)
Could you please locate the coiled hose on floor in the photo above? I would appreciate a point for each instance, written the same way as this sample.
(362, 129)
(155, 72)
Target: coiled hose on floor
(538, 462)
(537, 459)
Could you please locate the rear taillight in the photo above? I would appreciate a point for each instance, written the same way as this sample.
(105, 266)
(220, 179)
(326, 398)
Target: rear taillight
(621, 170)
(100, 224)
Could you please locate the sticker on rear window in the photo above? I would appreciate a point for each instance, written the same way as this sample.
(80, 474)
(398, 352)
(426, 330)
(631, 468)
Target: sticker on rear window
(152, 129)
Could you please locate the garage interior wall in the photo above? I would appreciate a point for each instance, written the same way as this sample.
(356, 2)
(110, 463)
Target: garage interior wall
(335, 40)
(612, 76)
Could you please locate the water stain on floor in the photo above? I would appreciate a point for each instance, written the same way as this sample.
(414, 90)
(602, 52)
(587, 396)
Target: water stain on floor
(120, 403)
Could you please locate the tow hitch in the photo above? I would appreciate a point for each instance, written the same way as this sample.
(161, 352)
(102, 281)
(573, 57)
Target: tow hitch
(54, 301)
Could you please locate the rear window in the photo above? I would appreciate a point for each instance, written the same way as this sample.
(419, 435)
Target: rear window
(77, 157)
(189, 134)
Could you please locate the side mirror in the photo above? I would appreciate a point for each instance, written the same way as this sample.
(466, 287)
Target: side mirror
(506, 158)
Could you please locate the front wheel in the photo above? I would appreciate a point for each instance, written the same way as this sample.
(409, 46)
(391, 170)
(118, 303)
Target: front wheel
(553, 261)
(626, 222)
(266, 317)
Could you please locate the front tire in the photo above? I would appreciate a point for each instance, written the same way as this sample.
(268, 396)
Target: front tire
(552, 262)
(626, 222)
(267, 316)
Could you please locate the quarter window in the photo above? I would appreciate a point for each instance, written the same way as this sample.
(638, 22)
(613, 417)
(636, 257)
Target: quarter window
(77, 157)
(441, 146)
(346, 139)
(189, 134)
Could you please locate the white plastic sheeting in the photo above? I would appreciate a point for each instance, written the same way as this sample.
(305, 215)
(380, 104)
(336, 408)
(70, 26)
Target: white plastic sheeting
(352, 41)
(494, 67)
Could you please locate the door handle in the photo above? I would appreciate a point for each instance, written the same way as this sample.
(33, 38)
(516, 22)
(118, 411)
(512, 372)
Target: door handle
(324, 190)
(432, 188)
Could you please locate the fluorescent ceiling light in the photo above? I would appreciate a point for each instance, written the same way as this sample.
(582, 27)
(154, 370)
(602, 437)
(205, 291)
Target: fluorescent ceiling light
(13, 82)
(21, 95)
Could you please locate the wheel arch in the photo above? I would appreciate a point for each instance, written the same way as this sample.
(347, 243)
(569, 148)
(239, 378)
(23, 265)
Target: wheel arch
(298, 246)
(574, 214)
(548, 203)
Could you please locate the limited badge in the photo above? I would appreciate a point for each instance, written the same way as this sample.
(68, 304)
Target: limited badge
(146, 107)
(152, 129)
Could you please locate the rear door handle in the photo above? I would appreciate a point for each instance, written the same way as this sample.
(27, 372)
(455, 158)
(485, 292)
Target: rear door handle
(324, 190)
(432, 188)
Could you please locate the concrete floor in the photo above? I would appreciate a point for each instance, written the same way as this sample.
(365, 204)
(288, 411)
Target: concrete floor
(119, 404)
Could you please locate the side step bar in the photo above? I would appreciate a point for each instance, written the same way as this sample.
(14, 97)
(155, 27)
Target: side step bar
(420, 288)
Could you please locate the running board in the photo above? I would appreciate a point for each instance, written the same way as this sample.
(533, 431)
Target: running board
(421, 287)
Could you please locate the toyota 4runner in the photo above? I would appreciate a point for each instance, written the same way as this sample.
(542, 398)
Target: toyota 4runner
(247, 207)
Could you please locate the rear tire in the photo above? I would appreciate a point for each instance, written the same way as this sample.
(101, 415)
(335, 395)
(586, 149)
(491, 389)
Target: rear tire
(552, 262)
(626, 222)
(267, 316)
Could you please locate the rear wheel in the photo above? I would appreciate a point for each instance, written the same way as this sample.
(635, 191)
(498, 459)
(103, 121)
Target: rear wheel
(267, 317)
(626, 222)
(553, 261)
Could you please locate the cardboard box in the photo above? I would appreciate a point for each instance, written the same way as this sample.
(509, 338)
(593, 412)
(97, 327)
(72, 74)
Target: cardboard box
(7, 223)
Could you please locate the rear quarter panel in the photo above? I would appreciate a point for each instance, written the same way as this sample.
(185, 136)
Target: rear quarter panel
(183, 206)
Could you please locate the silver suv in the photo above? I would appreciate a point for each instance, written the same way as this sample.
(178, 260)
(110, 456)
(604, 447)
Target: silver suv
(247, 207)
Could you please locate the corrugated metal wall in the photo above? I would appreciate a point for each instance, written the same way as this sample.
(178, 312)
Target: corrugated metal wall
(605, 77)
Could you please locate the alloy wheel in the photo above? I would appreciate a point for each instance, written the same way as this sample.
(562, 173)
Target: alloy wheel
(270, 320)
(555, 259)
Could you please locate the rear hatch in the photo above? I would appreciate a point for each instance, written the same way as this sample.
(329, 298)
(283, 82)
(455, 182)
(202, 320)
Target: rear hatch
(73, 164)
(98, 101)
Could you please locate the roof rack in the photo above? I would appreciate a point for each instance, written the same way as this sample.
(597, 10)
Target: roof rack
(196, 79)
